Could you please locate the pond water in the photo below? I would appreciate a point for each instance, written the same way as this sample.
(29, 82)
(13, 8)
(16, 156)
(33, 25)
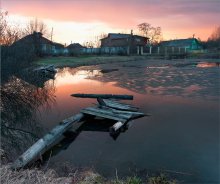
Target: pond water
(181, 137)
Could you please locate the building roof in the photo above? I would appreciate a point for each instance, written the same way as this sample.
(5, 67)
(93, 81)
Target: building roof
(36, 37)
(58, 45)
(121, 36)
(178, 42)
(118, 35)
(75, 46)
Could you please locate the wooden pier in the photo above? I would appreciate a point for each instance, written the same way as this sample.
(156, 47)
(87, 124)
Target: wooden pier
(107, 108)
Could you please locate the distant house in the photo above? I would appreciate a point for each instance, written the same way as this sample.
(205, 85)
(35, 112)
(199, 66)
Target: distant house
(58, 49)
(41, 45)
(189, 44)
(75, 48)
(124, 43)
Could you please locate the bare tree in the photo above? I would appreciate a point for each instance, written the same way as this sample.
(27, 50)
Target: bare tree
(156, 35)
(215, 34)
(9, 34)
(96, 42)
(213, 41)
(88, 44)
(3, 23)
(144, 29)
(36, 25)
(153, 33)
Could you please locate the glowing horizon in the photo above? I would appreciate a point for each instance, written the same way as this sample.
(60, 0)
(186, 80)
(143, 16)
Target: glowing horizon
(81, 21)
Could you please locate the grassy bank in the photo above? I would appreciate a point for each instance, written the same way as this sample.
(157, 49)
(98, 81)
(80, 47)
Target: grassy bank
(85, 60)
(50, 176)
(64, 61)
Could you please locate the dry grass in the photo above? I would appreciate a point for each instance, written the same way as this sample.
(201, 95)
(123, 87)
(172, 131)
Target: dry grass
(88, 176)
(29, 176)
(37, 176)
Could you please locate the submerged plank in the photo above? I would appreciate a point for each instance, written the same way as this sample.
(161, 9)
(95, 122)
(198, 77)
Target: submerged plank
(104, 96)
(43, 144)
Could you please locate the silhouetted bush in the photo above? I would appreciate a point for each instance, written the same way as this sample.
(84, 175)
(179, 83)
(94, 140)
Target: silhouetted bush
(15, 58)
(19, 105)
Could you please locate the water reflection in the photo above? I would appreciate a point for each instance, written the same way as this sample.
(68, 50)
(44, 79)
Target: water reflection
(71, 76)
(91, 124)
(208, 64)
(147, 79)
(163, 80)
(20, 101)
(181, 135)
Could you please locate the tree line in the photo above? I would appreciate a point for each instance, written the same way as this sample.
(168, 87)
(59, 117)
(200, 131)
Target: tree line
(213, 41)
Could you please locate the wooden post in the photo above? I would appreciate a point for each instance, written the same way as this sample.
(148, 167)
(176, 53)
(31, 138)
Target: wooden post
(43, 144)
(116, 127)
(179, 50)
(137, 50)
(158, 50)
(142, 52)
(150, 49)
(172, 49)
(128, 50)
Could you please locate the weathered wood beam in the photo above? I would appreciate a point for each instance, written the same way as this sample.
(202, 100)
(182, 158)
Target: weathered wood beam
(49, 68)
(105, 114)
(104, 96)
(117, 105)
(43, 144)
(127, 114)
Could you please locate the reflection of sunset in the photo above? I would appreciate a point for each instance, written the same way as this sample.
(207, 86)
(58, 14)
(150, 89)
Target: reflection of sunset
(177, 118)
(207, 64)
(73, 80)
(72, 76)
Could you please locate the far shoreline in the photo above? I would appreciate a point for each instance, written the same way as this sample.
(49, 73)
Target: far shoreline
(77, 61)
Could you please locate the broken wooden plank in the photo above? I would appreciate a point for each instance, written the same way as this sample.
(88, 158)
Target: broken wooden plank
(131, 113)
(43, 144)
(108, 110)
(48, 68)
(117, 105)
(105, 114)
(104, 96)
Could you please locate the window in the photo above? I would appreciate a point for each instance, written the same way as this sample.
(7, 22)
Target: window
(44, 47)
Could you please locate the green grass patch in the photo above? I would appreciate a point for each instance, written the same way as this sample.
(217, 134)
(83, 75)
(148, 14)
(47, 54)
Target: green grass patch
(63, 61)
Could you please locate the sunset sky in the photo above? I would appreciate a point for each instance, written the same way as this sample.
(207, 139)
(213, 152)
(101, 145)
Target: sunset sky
(82, 20)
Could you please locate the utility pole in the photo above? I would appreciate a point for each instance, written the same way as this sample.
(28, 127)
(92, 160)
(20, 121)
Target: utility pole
(51, 35)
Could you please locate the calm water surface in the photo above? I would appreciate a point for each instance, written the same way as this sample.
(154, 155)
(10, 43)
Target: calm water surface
(181, 137)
